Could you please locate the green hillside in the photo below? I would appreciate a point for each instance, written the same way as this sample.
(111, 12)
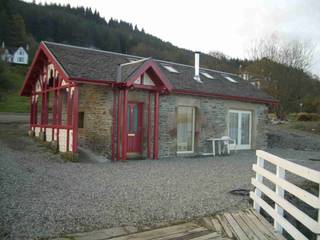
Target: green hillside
(29, 23)
(11, 79)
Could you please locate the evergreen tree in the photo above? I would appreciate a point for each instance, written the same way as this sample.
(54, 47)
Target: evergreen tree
(16, 31)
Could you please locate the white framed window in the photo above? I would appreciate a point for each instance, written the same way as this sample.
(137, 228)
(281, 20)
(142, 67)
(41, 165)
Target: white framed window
(239, 128)
(185, 129)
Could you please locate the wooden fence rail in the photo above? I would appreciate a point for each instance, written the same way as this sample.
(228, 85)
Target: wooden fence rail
(282, 186)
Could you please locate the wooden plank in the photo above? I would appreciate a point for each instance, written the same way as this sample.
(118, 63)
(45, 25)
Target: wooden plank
(217, 225)
(259, 177)
(305, 196)
(267, 231)
(101, 234)
(264, 224)
(280, 173)
(225, 225)
(237, 229)
(307, 221)
(206, 221)
(188, 234)
(259, 218)
(160, 232)
(244, 226)
(296, 234)
(254, 227)
(223, 238)
(297, 169)
(208, 236)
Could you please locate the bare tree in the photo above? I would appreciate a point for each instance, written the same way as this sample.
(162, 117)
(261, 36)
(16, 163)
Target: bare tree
(218, 55)
(296, 54)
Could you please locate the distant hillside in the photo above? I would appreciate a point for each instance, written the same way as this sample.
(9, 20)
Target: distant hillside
(84, 27)
(22, 23)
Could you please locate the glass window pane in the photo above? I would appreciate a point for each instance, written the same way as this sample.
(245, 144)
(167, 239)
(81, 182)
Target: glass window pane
(245, 128)
(233, 126)
(134, 126)
(132, 121)
(185, 129)
(128, 118)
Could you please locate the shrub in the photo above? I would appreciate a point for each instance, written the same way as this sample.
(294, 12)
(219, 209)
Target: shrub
(308, 116)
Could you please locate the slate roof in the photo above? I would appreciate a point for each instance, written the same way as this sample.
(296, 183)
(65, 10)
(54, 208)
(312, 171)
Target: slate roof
(127, 69)
(79, 62)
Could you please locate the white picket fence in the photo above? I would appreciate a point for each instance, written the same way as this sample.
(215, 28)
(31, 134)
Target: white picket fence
(282, 185)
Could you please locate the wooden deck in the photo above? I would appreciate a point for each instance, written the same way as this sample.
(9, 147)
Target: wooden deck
(242, 225)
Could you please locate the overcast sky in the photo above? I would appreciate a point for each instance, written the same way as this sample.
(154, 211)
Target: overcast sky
(227, 26)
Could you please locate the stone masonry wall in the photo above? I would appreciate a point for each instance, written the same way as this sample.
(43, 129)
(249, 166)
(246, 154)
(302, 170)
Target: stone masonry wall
(211, 120)
(96, 103)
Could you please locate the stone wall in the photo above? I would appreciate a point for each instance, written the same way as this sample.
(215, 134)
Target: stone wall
(96, 103)
(211, 118)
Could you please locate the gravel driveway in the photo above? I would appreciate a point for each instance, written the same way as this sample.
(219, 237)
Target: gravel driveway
(43, 196)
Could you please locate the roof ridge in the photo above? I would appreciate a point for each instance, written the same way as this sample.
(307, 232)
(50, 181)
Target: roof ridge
(133, 62)
(135, 56)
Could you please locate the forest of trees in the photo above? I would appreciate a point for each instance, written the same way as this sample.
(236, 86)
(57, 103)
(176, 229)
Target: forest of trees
(29, 23)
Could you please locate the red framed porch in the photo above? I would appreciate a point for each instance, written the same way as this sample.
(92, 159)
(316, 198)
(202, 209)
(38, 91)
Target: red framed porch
(120, 124)
(54, 103)
(52, 116)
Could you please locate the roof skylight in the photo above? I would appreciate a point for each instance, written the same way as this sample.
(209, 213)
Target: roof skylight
(207, 75)
(170, 68)
(230, 79)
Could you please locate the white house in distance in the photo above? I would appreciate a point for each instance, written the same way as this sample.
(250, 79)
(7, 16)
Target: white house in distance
(17, 55)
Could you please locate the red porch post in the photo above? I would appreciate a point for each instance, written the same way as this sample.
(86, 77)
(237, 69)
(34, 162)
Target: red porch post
(118, 127)
(156, 126)
(114, 113)
(31, 111)
(124, 124)
(35, 111)
(149, 127)
(75, 119)
(45, 102)
(54, 108)
(69, 122)
(59, 110)
(42, 106)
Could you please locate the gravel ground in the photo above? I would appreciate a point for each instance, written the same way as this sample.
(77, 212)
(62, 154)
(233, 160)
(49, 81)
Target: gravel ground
(282, 136)
(43, 196)
(14, 117)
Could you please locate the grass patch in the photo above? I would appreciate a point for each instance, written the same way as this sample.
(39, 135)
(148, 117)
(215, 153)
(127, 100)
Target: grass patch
(308, 126)
(10, 100)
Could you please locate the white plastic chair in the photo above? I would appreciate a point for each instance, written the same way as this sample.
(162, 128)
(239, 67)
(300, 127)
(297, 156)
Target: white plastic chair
(226, 141)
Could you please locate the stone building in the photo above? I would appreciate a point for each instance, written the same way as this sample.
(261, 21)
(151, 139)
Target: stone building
(125, 106)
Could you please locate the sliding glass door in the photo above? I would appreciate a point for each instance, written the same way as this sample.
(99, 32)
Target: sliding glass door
(185, 130)
(240, 128)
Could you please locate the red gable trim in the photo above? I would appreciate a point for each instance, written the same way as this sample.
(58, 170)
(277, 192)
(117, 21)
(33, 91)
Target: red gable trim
(150, 64)
(227, 97)
(42, 49)
(94, 82)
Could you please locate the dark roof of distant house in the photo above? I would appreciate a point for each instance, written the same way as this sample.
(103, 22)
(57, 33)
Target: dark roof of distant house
(12, 50)
(92, 64)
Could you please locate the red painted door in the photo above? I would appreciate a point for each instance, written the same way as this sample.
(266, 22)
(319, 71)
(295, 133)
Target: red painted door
(134, 127)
